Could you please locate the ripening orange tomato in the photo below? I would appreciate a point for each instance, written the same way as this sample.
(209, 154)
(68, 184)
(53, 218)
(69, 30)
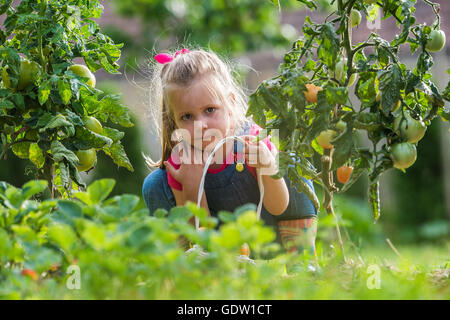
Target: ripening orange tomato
(30, 273)
(344, 173)
(245, 250)
(311, 94)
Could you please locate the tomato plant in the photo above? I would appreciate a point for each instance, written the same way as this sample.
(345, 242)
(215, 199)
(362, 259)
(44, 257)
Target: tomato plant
(48, 102)
(387, 91)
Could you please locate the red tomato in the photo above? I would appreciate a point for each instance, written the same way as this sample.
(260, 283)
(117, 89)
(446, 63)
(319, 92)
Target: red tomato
(30, 273)
(344, 173)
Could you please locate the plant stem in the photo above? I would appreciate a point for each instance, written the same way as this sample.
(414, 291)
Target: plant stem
(41, 54)
(327, 178)
(48, 172)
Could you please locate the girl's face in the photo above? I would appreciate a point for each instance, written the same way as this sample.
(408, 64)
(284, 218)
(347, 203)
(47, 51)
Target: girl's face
(203, 117)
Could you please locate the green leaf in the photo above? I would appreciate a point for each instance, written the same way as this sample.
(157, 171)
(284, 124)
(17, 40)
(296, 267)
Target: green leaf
(329, 45)
(94, 235)
(344, 144)
(63, 235)
(337, 95)
(100, 189)
(60, 152)
(21, 149)
(309, 3)
(36, 155)
(32, 188)
(64, 174)
(179, 213)
(226, 216)
(118, 113)
(86, 139)
(391, 84)
(58, 121)
(44, 92)
(4, 103)
(119, 156)
(114, 134)
(70, 209)
(160, 213)
(18, 100)
(64, 90)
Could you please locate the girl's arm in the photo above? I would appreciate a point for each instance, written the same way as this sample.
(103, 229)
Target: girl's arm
(276, 195)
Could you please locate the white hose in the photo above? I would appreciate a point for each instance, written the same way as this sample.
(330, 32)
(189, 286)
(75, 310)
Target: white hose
(205, 169)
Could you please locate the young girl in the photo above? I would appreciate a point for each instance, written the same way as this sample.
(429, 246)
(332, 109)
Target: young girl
(197, 96)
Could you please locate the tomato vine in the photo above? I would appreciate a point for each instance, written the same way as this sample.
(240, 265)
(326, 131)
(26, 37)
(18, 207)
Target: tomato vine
(46, 99)
(385, 88)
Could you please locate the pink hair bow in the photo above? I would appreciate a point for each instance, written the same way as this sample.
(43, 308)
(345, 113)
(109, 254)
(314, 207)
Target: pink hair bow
(165, 57)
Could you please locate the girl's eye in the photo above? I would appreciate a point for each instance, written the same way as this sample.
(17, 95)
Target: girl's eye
(186, 117)
(210, 109)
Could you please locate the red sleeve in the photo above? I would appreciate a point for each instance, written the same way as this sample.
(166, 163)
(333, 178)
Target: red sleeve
(171, 180)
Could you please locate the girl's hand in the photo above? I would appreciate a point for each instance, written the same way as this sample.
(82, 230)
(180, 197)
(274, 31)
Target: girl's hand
(258, 155)
(190, 172)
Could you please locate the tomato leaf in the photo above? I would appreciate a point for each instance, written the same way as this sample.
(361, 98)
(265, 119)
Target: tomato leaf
(336, 95)
(391, 84)
(64, 90)
(36, 155)
(118, 154)
(111, 104)
(344, 144)
(100, 189)
(44, 92)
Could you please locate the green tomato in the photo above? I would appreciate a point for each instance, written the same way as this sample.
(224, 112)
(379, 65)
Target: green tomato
(83, 71)
(325, 137)
(403, 155)
(341, 125)
(86, 159)
(29, 72)
(355, 18)
(436, 41)
(93, 124)
(410, 129)
(352, 80)
(339, 69)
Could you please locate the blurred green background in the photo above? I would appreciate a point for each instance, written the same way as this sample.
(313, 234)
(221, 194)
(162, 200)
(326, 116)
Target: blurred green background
(255, 34)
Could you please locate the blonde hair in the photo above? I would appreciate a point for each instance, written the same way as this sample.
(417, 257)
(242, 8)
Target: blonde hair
(183, 71)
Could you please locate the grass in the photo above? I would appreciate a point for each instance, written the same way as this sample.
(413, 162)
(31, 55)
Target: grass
(420, 272)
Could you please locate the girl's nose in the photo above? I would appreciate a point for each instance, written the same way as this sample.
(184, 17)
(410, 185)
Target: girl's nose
(203, 123)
